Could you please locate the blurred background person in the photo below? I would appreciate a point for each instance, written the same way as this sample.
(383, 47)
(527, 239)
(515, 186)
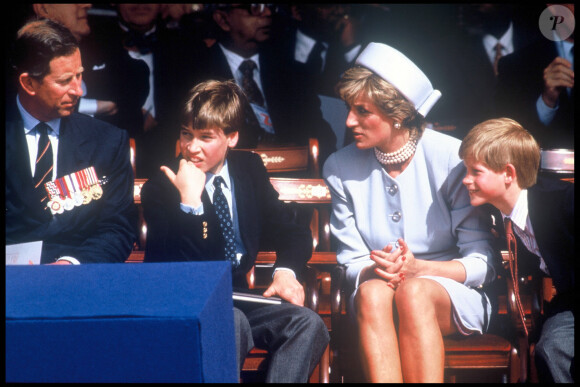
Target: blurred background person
(285, 111)
(536, 88)
(114, 84)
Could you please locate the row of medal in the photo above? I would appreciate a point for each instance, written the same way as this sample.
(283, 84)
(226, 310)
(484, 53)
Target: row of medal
(73, 190)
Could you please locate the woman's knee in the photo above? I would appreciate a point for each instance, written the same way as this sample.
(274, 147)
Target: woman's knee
(372, 296)
(414, 297)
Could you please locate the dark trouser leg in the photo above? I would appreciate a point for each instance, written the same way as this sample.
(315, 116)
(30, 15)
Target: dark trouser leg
(295, 337)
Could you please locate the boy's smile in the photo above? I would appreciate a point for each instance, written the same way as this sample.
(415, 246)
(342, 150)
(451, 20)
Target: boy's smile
(483, 184)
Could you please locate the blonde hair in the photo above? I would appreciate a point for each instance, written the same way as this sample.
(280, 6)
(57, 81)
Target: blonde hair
(216, 104)
(500, 141)
(360, 80)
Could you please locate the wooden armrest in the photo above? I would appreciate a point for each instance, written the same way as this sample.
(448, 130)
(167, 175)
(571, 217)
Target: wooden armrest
(337, 279)
(311, 292)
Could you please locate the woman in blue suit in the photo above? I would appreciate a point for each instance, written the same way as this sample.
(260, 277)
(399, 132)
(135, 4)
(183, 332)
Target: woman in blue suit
(416, 251)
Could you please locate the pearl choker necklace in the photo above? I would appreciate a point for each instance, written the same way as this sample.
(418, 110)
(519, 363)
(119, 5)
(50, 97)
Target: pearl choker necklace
(399, 156)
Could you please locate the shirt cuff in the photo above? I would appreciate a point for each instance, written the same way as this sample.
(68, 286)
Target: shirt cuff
(190, 210)
(72, 260)
(545, 113)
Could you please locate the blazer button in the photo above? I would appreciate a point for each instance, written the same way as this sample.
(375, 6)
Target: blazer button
(393, 190)
(396, 216)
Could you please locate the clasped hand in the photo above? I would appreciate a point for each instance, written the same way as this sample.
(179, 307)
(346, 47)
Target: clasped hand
(557, 76)
(394, 264)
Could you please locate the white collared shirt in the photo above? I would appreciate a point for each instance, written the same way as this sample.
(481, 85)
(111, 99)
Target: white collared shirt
(304, 46)
(32, 137)
(523, 227)
(490, 41)
(235, 60)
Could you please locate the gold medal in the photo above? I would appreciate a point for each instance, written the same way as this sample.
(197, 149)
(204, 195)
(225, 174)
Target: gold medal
(87, 196)
(96, 191)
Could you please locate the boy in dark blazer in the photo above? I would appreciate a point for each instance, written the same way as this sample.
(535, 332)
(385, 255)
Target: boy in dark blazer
(181, 211)
(82, 210)
(502, 161)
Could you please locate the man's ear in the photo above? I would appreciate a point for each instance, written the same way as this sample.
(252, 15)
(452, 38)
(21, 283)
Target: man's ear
(221, 19)
(233, 139)
(40, 10)
(510, 173)
(28, 83)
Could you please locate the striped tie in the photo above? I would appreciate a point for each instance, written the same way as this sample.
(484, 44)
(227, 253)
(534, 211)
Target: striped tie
(513, 263)
(43, 169)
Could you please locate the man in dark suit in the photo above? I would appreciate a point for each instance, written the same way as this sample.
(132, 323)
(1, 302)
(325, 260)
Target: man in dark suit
(114, 84)
(82, 206)
(502, 161)
(287, 111)
(536, 88)
(141, 33)
(463, 61)
(215, 203)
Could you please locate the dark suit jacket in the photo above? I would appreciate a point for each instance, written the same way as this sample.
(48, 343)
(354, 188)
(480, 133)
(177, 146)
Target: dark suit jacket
(264, 221)
(464, 74)
(520, 83)
(112, 75)
(551, 211)
(294, 109)
(103, 230)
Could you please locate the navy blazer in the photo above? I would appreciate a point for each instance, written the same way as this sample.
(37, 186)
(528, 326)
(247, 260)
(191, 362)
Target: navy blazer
(551, 212)
(103, 230)
(265, 222)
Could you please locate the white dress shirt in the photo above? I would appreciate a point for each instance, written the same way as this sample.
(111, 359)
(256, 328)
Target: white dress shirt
(523, 227)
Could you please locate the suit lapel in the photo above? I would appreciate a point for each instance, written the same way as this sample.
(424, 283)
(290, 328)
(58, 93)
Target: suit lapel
(245, 205)
(73, 154)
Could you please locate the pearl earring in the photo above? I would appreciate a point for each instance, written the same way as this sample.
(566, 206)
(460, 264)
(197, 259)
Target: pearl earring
(397, 125)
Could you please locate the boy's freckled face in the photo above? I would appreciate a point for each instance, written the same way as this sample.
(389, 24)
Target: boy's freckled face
(483, 184)
(206, 148)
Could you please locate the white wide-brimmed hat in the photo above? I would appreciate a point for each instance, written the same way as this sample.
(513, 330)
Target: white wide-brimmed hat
(399, 71)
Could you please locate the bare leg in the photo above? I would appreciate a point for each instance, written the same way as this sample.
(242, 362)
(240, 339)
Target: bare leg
(424, 309)
(378, 339)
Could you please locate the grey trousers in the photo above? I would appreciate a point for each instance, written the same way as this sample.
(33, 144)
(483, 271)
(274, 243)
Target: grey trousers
(554, 353)
(294, 336)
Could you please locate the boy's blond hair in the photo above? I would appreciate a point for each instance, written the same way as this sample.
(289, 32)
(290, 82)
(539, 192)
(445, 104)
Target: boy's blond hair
(500, 141)
(216, 104)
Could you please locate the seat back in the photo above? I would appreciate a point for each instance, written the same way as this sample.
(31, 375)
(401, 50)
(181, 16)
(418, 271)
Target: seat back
(559, 162)
(281, 159)
(132, 150)
(313, 192)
